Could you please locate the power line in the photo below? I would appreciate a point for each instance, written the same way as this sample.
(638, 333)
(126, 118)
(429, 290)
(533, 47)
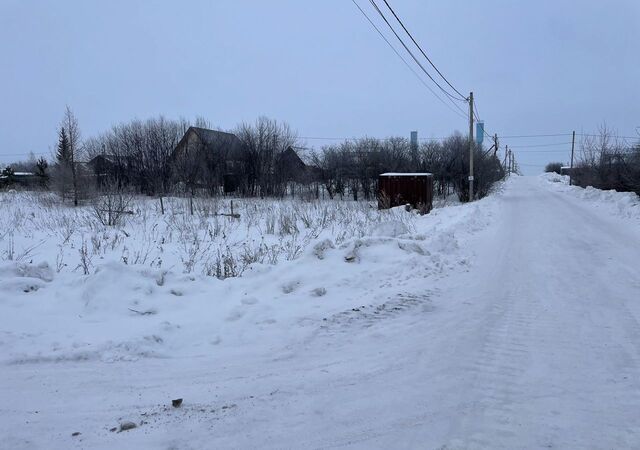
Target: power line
(542, 145)
(319, 138)
(518, 136)
(420, 48)
(412, 55)
(610, 135)
(524, 152)
(403, 60)
(535, 135)
(25, 154)
(475, 107)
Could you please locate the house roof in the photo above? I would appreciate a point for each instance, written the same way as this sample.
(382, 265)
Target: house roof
(103, 157)
(214, 136)
(291, 157)
(214, 140)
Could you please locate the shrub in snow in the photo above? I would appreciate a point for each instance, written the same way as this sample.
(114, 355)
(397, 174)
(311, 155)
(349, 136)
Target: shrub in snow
(321, 248)
(554, 167)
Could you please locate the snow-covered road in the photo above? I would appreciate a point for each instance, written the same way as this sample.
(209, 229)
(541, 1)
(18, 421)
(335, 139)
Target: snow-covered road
(533, 343)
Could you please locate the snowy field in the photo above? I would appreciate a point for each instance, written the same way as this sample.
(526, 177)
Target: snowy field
(508, 323)
(37, 227)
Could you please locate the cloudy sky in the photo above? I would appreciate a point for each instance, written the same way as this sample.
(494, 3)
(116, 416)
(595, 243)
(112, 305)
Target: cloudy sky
(544, 67)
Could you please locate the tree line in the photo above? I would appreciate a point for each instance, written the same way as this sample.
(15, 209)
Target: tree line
(141, 159)
(605, 161)
(352, 167)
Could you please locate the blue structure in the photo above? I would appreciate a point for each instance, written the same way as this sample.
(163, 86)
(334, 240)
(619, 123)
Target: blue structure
(414, 139)
(480, 132)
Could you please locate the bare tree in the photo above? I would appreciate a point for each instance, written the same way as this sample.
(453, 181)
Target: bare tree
(161, 139)
(70, 150)
(607, 162)
(264, 143)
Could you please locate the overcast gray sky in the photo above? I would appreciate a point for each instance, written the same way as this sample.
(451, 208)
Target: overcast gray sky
(543, 67)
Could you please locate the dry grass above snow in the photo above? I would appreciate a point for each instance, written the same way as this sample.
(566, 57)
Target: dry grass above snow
(36, 227)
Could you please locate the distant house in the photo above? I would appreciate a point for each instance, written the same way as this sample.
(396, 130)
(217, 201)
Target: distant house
(226, 161)
(10, 178)
(103, 168)
(227, 145)
(220, 152)
(293, 168)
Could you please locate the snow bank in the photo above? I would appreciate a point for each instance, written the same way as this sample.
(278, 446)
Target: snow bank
(622, 204)
(124, 312)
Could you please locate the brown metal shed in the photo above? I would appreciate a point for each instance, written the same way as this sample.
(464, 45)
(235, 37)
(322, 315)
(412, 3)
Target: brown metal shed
(397, 189)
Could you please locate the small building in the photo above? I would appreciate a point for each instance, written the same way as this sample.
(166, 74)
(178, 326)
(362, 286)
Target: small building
(104, 169)
(202, 142)
(397, 189)
(212, 149)
(23, 179)
(291, 165)
(230, 163)
(565, 170)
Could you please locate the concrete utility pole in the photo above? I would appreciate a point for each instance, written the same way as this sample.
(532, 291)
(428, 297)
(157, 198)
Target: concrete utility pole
(506, 157)
(573, 143)
(471, 146)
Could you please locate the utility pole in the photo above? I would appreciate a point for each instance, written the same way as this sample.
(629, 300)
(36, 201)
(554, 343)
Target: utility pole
(506, 157)
(495, 144)
(573, 143)
(471, 146)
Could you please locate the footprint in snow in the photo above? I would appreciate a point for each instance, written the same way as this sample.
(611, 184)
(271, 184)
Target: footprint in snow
(236, 314)
(249, 301)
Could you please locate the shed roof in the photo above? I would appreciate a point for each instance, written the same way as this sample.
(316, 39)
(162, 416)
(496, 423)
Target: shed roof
(405, 174)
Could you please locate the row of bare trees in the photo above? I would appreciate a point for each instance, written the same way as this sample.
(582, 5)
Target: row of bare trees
(606, 161)
(265, 143)
(609, 162)
(137, 154)
(352, 167)
(139, 157)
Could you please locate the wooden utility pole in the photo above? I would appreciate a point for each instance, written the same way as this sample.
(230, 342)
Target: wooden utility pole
(471, 146)
(573, 143)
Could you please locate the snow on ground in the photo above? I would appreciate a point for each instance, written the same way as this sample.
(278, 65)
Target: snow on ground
(511, 322)
(121, 311)
(53, 315)
(622, 204)
(36, 227)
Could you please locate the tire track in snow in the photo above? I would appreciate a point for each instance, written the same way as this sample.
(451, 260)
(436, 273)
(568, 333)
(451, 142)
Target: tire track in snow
(366, 316)
(558, 365)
